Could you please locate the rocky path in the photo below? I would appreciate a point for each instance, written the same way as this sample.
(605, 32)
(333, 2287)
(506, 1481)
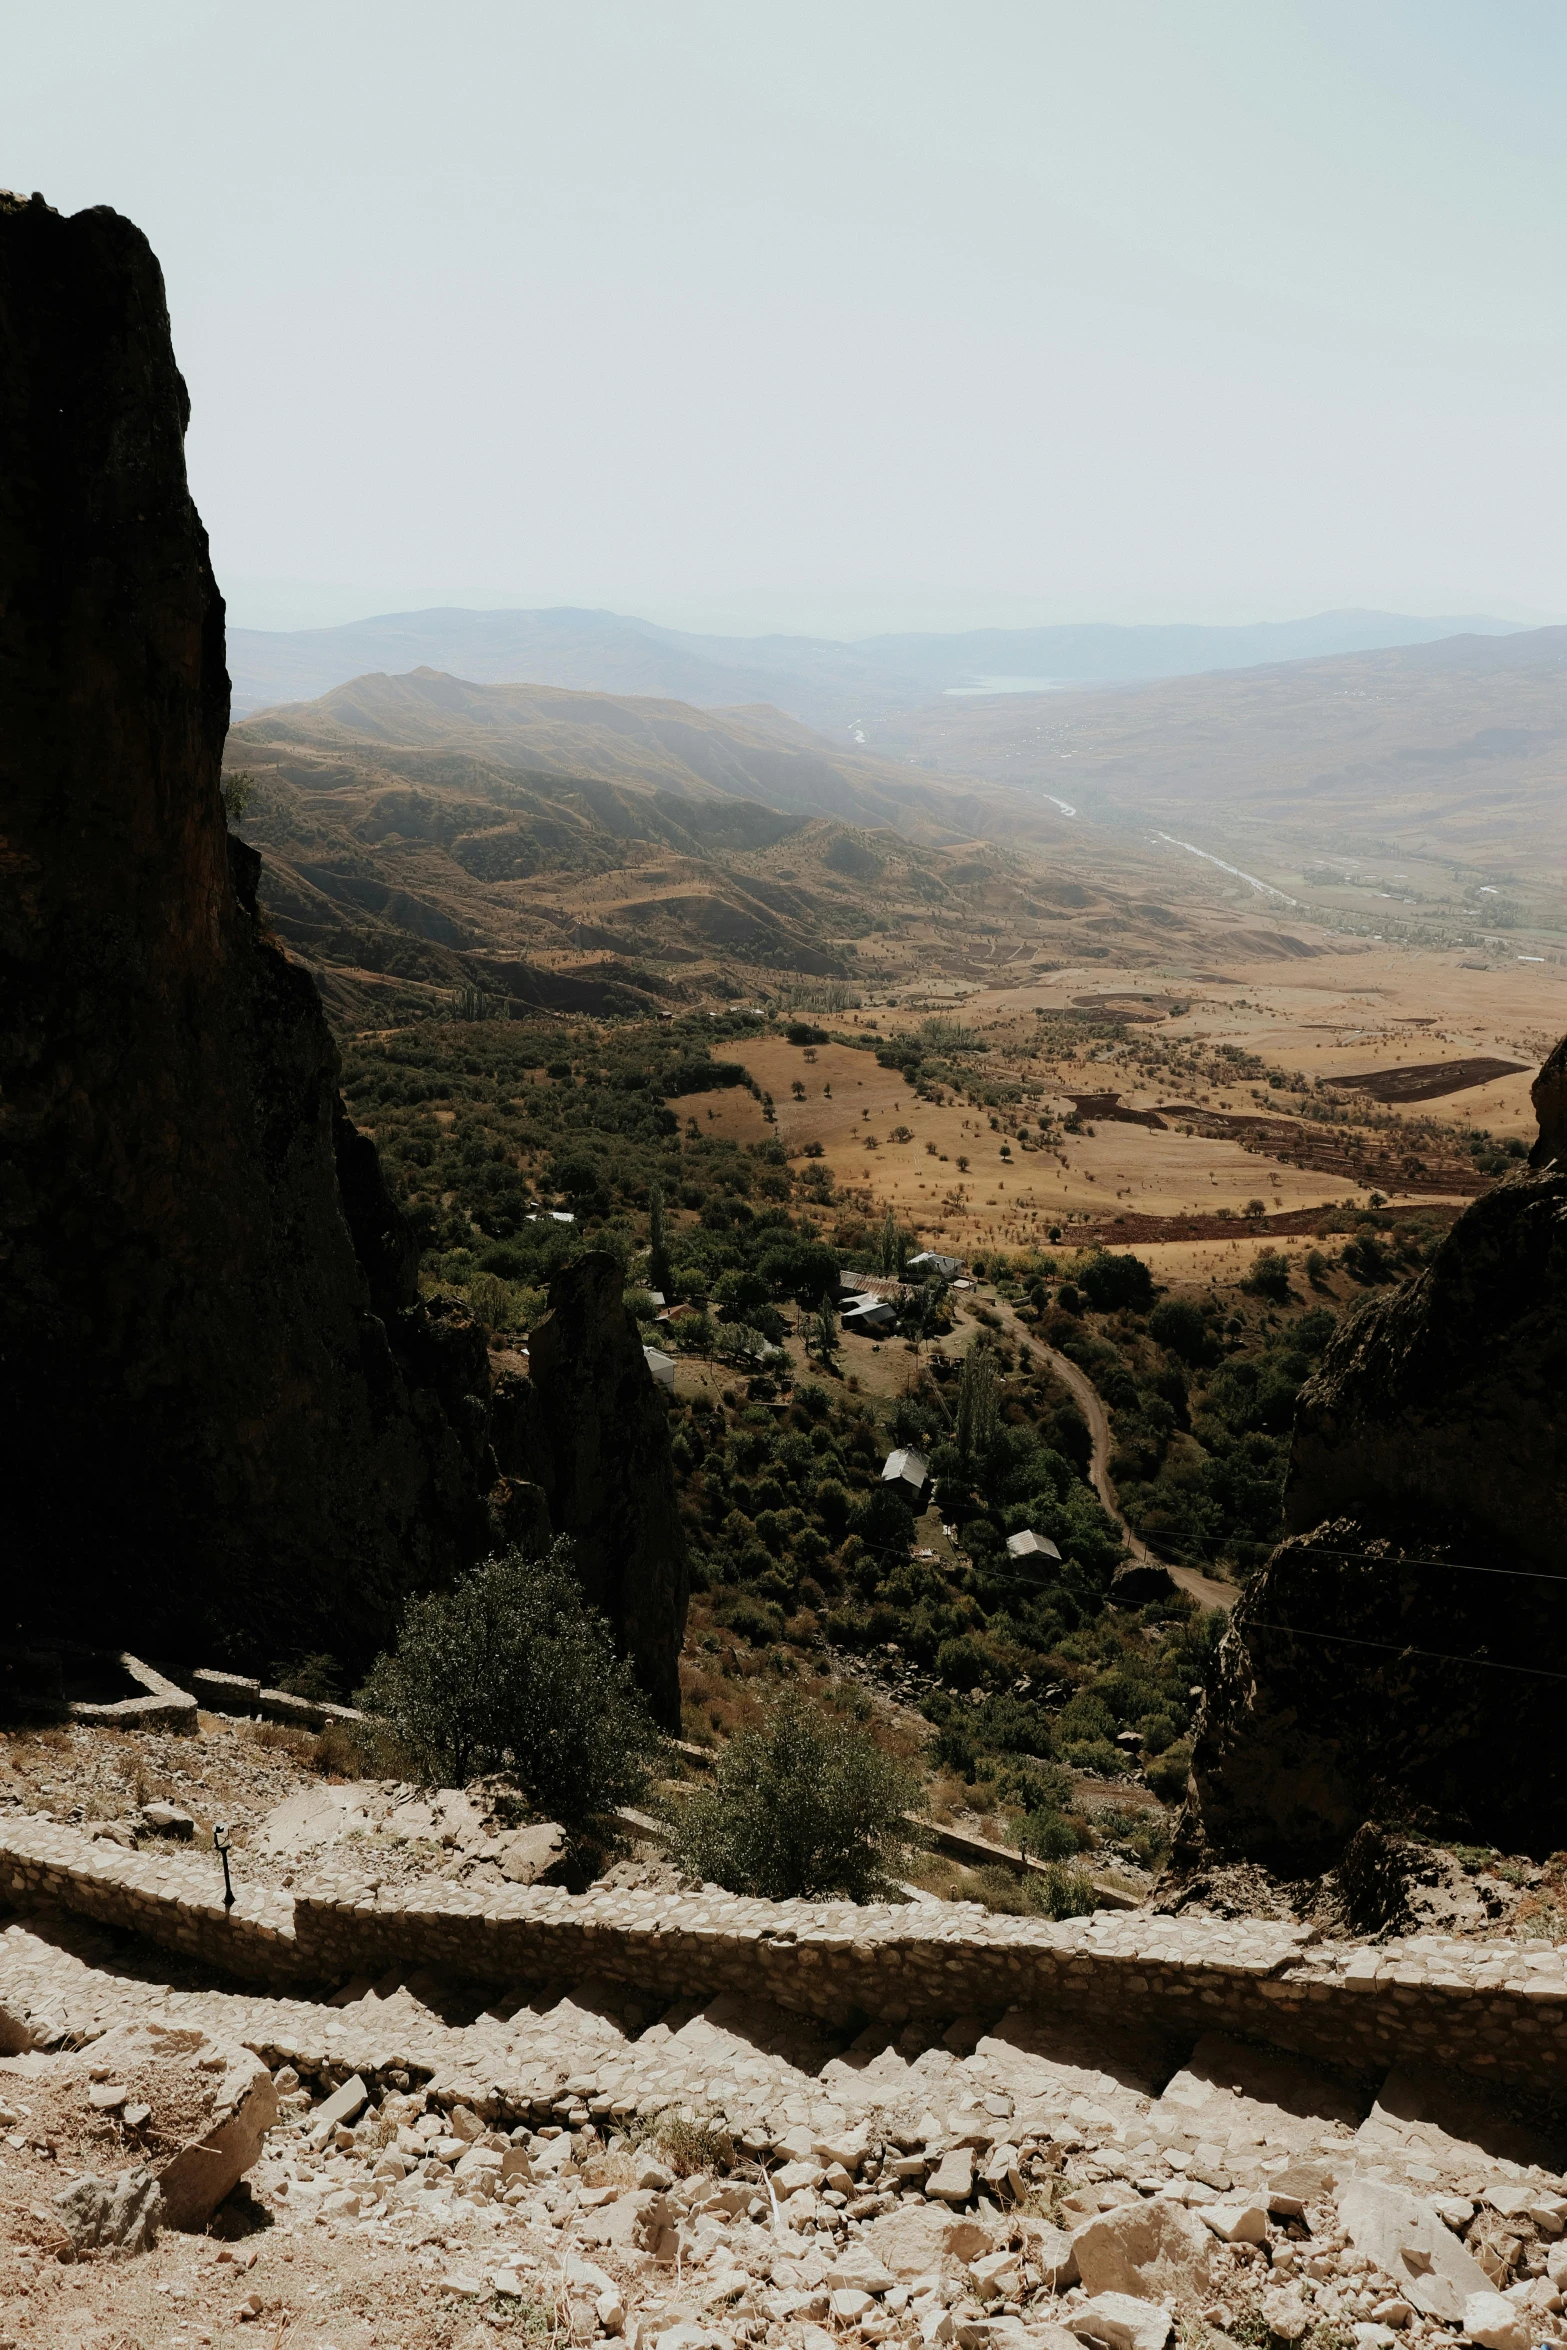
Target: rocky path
(710, 2173)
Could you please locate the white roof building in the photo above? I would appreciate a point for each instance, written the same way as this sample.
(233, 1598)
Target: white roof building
(931, 1260)
(1029, 1545)
(906, 1467)
(661, 1365)
(868, 1313)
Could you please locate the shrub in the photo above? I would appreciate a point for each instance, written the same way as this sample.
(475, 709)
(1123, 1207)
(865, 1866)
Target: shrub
(317, 1676)
(690, 2147)
(802, 1809)
(1269, 1275)
(1095, 1755)
(1369, 1260)
(1159, 1731)
(1057, 1891)
(1166, 1774)
(238, 788)
(1067, 1893)
(1180, 1325)
(968, 1661)
(511, 1671)
(752, 1620)
(1048, 1836)
(1111, 1281)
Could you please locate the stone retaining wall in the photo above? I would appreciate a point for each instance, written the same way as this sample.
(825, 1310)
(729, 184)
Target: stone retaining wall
(160, 1707)
(171, 1897)
(1496, 2010)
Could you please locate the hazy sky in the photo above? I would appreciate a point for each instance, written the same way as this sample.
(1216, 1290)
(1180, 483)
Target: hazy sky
(841, 315)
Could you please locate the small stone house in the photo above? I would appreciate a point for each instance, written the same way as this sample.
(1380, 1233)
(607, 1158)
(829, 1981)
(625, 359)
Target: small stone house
(1029, 1546)
(908, 1470)
(931, 1261)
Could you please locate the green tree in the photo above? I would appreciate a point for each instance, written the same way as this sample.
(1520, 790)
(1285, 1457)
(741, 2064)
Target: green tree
(821, 1332)
(1109, 1281)
(511, 1671)
(239, 791)
(802, 1809)
(806, 1269)
(1269, 1276)
(660, 1274)
(978, 1402)
(1181, 1325)
(737, 1294)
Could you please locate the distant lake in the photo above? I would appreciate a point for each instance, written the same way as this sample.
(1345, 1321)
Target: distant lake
(1014, 685)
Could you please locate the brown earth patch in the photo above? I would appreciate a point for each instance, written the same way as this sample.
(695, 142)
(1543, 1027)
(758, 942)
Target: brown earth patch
(1110, 1105)
(1130, 1229)
(1334, 1150)
(1428, 1081)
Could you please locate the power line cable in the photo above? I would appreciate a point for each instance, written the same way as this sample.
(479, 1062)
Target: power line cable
(1398, 1648)
(1457, 1566)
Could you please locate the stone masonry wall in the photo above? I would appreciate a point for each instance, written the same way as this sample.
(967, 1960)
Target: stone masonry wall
(1496, 2010)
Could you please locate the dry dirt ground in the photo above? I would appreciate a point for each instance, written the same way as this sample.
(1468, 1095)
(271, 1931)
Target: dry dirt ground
(1341, 1013)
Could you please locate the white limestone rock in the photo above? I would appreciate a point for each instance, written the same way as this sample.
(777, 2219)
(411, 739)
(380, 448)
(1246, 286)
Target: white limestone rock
(529, 1855)
(1412, 2248)
(1235, 2222)
(922, 2239)
(1496, 2323)
(1287, 2315)
(1119, 2321)
(952, 2181)
(1148, 2250)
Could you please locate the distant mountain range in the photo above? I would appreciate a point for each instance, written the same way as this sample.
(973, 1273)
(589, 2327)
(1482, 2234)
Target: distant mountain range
(819, 681)
(1457, 748)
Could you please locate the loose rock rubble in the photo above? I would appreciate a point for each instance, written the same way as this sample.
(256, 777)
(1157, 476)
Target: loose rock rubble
(702, 2175)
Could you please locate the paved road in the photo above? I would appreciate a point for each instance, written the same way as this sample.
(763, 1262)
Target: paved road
(1203, 1588)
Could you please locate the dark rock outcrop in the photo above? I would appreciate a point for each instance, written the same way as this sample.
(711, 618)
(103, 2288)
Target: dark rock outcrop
(1439, 1414)
(1399, 1658)
(227, 1421)
(1549, 1096)
(590, 1429)
(230, 1430)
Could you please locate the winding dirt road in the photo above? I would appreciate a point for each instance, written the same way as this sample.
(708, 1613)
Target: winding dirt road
(1203, 1588)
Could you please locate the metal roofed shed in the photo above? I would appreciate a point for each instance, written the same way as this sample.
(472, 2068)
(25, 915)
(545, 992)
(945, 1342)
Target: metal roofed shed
(906, 1467)
(930, 1261)
(869, 1313)
(661, 1365)
(1029, 1545)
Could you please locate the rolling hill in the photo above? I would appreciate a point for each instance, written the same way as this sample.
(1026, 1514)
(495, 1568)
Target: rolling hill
(584, 851)
(839, 686)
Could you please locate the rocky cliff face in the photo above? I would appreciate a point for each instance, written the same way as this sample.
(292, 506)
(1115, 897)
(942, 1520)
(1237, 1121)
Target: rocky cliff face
(1549, 1095)
(1391, 1660)
(228, 1426)
(591, 1430)
(228, 1422)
